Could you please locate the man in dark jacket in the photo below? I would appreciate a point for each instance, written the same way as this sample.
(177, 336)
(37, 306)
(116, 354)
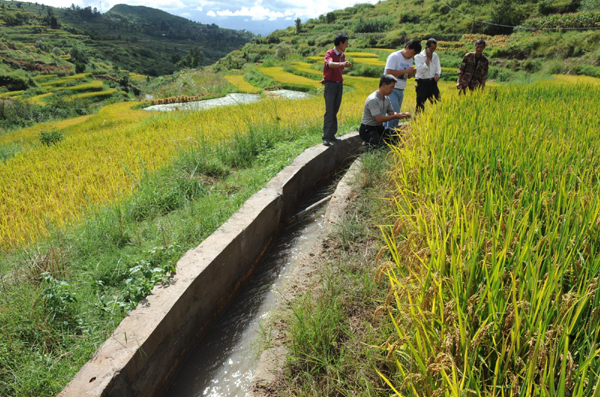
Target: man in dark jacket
(473, 71)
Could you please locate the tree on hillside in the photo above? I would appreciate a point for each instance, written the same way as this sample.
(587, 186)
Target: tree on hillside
(79, 58)
(590, 5)
(503, 13)
(298, 25)
(193, 59)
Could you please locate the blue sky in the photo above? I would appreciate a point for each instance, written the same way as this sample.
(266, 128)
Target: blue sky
(257, 16)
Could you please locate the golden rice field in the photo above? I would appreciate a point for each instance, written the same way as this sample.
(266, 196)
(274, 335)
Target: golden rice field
(103, 156)
(494, 257)
(242, 85)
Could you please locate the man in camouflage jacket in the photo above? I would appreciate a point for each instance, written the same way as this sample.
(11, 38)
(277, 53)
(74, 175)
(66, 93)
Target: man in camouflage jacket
(473, 71)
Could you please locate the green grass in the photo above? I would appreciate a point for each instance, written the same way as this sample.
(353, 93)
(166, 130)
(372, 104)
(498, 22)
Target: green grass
(331, 332)
(61, 298)
(9, 150)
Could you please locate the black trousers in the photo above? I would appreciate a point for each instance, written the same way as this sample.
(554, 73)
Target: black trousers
(427, 89)
(376, 135)
(333, 99)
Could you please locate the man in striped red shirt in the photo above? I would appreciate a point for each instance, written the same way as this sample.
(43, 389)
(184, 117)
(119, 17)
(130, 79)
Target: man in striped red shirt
(333, 67)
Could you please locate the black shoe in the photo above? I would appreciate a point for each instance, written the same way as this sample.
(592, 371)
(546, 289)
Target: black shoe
(327, 142)
(334, 140)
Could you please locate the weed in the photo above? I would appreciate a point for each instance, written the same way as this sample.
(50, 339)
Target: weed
(49, 138)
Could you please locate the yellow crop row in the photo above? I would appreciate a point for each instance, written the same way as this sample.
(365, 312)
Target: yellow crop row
(37, 100)
(95, 94)
(10, 94)
(369, 61)
(305, 67)
(381, 49)
(66, 79)
(568, 79)
(91, 86)
(45, 77)
(277, 73)
(355, 54)
(241, 84)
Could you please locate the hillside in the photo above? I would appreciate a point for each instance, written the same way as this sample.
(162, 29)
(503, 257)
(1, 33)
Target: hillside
(551, 36)
(139, 39)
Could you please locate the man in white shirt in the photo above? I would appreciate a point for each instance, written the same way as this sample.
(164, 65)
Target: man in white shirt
(399, 64)
(428, 74)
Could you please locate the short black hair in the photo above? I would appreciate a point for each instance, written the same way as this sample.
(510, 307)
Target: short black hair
(387, 79)
(430, 42)
(340, 38)
(480, 41)
(413, 45)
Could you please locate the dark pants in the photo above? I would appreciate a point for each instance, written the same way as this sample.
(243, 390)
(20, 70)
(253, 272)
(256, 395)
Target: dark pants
(333, 100)
(427, 89)
(376, 135)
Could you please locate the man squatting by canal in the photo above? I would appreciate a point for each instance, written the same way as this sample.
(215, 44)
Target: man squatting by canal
(399, 64)
(378, 109)
(428, 74)
(473, 71)
(335, 62)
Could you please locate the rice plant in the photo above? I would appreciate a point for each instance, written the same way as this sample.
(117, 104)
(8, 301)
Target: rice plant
(494, 254)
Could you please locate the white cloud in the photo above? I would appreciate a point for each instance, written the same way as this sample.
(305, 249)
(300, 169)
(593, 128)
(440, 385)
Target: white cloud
(256, 13)
(276, 13)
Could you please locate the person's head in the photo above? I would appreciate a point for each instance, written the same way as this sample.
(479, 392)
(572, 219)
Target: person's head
(412, 48)
(479, 46)
(341, 40)
(431, 44)
(386, 84)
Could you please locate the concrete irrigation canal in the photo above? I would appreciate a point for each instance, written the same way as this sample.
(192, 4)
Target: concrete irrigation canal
(223, 363)
(194, 337)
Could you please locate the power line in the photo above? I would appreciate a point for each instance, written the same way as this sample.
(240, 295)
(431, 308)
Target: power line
(511, 26)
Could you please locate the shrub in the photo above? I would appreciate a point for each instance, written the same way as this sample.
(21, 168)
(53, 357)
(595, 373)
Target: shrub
(40, 45)
(371, 25)
(50, 138)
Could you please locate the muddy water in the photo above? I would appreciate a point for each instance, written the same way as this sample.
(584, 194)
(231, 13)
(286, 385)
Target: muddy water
(223, 363)
(227, 100)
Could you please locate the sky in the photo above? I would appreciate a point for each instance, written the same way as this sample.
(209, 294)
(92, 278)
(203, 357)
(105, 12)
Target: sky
(258, 16)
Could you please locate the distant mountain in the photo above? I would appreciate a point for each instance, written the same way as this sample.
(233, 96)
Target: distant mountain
(137, 38)
(145, 34)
